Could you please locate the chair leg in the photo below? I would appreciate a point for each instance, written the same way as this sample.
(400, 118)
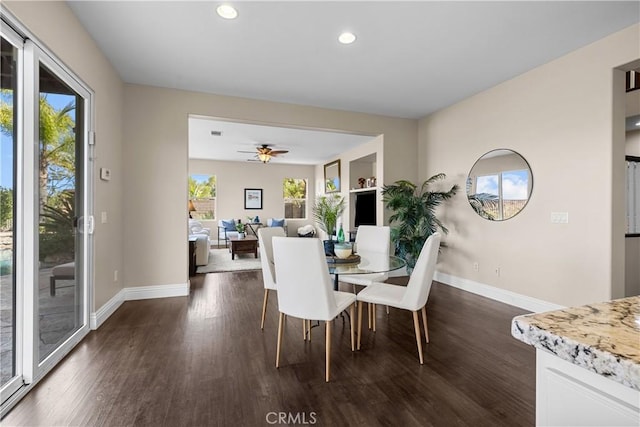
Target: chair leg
(416, 324)
(369, 319)
(424, 320)
(360, 323)
(387, 310)
(373, 315)
(306, 329)
(264, 308)
(280, 325)
(328, 348)
(352, 311)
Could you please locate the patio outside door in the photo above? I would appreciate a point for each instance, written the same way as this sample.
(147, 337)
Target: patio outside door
(45, 227)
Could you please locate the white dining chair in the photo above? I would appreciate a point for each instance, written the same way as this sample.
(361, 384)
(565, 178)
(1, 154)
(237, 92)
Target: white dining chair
(412, 297)
(266, 261)
(370, 239)
(305, 289)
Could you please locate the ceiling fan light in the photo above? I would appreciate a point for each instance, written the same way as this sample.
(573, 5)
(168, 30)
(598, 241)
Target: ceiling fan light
(264, 157)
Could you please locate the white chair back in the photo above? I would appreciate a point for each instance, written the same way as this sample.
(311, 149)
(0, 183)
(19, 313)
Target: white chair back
(422, 276)
(371, 238)
(265, 236)
(305, 289)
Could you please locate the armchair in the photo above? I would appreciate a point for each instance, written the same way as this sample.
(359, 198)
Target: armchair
(226, 230)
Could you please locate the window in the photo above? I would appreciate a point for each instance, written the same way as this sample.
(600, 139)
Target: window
(295, 198)
(202, 195)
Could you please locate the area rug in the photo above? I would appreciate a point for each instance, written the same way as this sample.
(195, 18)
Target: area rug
(220, 260)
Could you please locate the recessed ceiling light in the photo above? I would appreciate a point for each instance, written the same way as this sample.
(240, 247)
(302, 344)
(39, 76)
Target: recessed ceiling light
(227, 12)
(347, 38)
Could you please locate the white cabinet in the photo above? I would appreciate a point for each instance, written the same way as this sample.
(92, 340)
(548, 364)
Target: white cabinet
(570, 395)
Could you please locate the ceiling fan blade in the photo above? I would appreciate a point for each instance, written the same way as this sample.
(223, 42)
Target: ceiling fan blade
(250, 152)
(276, 152)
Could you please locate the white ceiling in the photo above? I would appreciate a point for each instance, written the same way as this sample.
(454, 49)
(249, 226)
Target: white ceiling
(307, 147)
(409, 60)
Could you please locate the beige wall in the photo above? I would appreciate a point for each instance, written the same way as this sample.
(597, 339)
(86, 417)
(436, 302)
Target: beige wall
(156, 165)
(56, 26)
(560, 118)
(233, 177)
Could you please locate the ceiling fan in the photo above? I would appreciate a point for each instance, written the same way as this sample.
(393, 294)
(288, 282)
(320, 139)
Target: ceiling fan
(264, 153)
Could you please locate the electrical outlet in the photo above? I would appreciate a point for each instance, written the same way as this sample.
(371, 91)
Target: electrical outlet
(115, 275)
(476, 266)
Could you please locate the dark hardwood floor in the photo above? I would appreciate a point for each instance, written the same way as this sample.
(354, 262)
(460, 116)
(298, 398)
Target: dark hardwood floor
(202, 360)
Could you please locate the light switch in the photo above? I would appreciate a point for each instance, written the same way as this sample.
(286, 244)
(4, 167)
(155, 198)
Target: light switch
(103, 217)
(559, 217)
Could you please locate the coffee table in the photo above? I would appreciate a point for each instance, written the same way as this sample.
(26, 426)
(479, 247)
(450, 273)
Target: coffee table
(246, 245)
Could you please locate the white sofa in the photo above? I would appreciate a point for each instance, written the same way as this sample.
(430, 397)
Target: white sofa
(284, 226)
(203, 241)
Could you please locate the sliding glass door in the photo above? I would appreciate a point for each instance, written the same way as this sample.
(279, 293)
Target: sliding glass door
(45, 221)
(10, 380)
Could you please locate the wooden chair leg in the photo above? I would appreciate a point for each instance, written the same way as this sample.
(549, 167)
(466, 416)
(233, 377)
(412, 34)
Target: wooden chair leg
(369, 319)
(387, 310)
(328, 348)
(309, 329)
(374, 307)
(280, 325)
(360, 323)
(416, 324)
(304, 329)
(352, 312)
(264, 308)
(424, 320)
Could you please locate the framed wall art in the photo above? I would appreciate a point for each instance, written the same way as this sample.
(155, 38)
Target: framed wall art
(253, 198)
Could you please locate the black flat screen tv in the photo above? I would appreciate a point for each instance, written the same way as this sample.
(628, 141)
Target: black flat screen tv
(365, 209)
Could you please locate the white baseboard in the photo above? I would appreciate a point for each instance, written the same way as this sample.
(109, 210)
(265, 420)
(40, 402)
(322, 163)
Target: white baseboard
(502, 295)
(136, 293)
(159, 291)
(104, 312)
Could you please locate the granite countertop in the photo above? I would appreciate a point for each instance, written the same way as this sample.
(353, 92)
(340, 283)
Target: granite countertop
(603, 338)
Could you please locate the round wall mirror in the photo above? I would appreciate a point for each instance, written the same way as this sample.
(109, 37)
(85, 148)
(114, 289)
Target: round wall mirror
(499, 185)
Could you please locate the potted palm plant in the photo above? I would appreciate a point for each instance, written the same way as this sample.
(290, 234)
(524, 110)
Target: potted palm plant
(326, 211)
(414, 215)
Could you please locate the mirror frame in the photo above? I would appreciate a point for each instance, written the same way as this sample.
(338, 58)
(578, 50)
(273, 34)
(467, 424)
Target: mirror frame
(499, 200)
(331, 176)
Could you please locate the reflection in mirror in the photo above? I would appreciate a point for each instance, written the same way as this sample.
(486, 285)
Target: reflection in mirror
(499, 185)
(332, 177)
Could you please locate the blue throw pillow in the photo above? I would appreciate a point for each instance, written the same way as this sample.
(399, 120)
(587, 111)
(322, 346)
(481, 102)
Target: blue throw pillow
(277, 222)
(229, 225)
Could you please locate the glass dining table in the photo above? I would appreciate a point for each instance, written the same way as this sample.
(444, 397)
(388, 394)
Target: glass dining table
(367, 263)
